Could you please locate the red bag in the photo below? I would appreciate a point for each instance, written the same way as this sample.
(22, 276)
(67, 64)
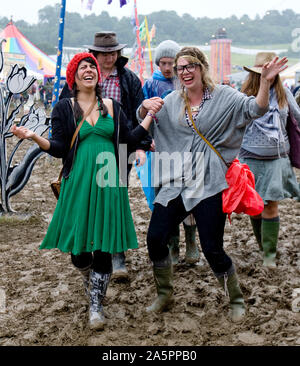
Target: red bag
(241, 196)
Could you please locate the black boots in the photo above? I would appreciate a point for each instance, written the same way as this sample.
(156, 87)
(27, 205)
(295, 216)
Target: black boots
(163, 277)
(98, 287)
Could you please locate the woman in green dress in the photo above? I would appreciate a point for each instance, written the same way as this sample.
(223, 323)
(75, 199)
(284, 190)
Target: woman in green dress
(92, 219)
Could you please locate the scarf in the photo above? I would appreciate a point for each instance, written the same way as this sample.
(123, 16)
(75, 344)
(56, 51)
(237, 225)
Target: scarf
(269, 124)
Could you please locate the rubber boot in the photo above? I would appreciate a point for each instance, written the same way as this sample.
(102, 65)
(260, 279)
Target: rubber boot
(98, 287)
(173, 245)
(229, 281)
(85, 274)
(192, 254)
(163, 277)
(270, 232)
(174, 249)
(119, 267)
(256, 226)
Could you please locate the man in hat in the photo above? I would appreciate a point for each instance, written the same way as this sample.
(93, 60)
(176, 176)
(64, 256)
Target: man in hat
(160, 85)
(121, 84)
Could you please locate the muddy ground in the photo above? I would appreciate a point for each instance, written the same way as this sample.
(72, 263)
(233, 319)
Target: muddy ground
(43, 302)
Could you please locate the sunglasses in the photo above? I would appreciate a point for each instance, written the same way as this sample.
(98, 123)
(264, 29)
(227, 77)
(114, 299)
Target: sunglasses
(189, 68)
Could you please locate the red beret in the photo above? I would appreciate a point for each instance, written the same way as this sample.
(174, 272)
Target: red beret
(73, 66)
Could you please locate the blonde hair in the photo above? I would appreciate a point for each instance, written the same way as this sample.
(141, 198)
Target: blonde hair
(252, 83)
(193, 54)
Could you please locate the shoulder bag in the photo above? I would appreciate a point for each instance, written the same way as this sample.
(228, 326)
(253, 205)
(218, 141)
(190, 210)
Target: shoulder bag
(240, 196)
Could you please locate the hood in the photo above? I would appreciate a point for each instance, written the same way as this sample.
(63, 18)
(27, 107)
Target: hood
(157, 75)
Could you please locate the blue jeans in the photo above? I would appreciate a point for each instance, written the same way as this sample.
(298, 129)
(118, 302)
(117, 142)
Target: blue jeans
(210, 221)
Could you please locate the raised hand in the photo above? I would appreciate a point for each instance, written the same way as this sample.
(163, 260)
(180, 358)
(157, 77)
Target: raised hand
(271, 69)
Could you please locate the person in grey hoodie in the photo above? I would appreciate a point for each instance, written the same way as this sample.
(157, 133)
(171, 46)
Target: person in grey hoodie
(221, 113)
(265, 150)
(163, 82)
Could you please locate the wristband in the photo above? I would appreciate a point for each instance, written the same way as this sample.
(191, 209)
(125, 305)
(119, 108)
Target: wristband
(152, 115)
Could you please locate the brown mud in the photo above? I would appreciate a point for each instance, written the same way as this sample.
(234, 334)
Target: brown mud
(43, 301)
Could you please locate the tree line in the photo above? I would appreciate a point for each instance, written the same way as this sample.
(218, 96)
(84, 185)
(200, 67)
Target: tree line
(271, 29)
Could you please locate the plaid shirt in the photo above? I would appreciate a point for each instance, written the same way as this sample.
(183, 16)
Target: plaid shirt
(206, 95)
(111, 86)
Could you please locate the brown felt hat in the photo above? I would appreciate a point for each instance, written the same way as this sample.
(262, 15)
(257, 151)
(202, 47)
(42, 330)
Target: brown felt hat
(260, 59)
(106, 42)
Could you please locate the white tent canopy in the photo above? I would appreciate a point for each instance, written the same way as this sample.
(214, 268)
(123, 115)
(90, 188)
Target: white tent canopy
(290, 72)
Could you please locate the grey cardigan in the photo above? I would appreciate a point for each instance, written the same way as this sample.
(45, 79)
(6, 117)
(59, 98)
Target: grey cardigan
(222, 121)
(257, 145)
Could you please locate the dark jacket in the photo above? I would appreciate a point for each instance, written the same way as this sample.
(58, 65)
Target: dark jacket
(132, 97)
(64, 125)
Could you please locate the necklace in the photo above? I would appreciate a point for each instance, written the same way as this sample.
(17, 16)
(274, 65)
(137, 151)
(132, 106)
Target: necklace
(195, 109)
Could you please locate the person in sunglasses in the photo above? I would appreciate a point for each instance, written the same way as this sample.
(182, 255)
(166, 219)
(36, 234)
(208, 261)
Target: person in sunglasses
(221, 114)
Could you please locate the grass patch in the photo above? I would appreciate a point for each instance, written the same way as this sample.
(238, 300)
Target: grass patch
(13, 219)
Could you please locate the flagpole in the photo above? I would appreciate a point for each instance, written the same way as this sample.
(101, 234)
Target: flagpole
(59, 52)
(149, 46)
(139, 42)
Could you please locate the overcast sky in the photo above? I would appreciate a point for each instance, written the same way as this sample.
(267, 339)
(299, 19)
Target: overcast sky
(28, 9)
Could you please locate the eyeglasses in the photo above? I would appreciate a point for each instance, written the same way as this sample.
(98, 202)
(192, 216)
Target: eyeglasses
(188, 68)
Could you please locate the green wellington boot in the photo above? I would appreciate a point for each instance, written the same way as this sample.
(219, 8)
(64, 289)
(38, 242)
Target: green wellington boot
(163, 277)
(256, 226)
(270, 233)
(231, 286)
(192, 254)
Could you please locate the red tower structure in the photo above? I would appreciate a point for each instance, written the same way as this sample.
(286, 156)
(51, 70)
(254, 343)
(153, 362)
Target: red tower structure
(220, 57)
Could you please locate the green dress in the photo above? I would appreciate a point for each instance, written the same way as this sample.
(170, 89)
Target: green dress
(92, 211)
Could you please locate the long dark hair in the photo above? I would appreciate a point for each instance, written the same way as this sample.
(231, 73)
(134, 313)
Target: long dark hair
(78, 112)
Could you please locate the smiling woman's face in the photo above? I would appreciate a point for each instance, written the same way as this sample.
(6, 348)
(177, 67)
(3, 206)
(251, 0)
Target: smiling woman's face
(86, 75)
(189, 76)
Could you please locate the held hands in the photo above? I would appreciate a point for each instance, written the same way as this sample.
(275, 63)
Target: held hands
(271, 69)
(152, 147)
(153, 104)
(140, 157)
(22, 132)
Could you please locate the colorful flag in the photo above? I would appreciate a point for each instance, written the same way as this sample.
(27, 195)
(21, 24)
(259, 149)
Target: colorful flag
(89, 5)
(122, 2)
(152, 32)
(143, 32)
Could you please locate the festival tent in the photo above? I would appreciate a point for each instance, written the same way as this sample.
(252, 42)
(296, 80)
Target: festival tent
(290, 72)
(17, 46)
